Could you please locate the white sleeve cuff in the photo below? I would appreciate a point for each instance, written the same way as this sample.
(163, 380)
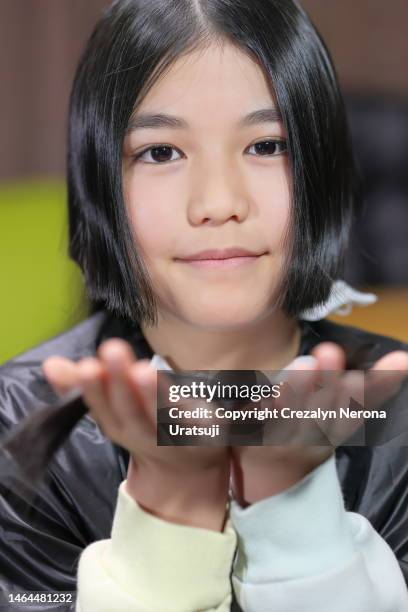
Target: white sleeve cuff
(300, 532)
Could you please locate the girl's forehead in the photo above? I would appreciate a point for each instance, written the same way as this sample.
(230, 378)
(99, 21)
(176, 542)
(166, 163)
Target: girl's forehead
(208, 80)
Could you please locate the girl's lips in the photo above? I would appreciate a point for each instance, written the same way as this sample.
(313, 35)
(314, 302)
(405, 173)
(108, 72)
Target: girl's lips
(221, 263)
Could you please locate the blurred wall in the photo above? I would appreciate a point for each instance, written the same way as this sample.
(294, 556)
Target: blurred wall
(40, 44)
(41, 41)
(368, 41)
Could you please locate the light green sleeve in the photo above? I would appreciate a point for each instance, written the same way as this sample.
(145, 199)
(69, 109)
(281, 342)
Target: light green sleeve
(151, 565)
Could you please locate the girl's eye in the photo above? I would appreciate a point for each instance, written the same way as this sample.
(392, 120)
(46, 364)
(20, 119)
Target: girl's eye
(269, 148)
(162, 153)
(158, 154)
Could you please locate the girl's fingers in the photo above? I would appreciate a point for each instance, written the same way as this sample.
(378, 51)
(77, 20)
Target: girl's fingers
(61, 373)
(116, 350)
(331, 363)
(93, 380)
(397, 360)
(128, 399)
(350, 388)
(330, 356)
(315, 379)
(117, 357)
(303, 363)
(143, 379)
(384, 379)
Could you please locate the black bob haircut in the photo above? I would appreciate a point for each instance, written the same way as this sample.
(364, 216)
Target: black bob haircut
(133, 44)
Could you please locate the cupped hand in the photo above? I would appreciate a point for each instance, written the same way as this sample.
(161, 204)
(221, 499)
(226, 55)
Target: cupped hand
(120, 393)
(180, 483)
(288, 454)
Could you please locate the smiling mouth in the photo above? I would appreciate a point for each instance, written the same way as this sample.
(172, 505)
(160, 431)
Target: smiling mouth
(224, 262)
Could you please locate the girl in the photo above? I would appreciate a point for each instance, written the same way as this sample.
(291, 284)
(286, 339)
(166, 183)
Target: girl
(211, 189)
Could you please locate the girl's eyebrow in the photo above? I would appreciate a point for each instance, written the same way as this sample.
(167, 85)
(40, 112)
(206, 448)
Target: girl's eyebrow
(160, 120)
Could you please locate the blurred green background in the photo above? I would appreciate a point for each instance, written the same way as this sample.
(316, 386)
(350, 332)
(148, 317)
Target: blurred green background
(42, 291)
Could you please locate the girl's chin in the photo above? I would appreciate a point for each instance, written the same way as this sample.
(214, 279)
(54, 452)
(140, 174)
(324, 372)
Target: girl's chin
(222, 319)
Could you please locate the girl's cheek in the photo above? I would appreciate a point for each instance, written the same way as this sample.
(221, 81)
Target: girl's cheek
(147, 226)
(148, 205)
(274, 205)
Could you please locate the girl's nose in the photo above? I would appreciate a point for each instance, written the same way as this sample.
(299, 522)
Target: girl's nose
(218, 196)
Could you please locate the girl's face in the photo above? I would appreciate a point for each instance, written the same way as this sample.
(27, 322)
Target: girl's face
(209, 180)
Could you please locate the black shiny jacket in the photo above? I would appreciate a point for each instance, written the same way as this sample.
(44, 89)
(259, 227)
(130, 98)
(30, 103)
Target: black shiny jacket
(41, 541)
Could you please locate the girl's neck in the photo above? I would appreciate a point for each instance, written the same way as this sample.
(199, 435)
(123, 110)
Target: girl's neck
(269, 344)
